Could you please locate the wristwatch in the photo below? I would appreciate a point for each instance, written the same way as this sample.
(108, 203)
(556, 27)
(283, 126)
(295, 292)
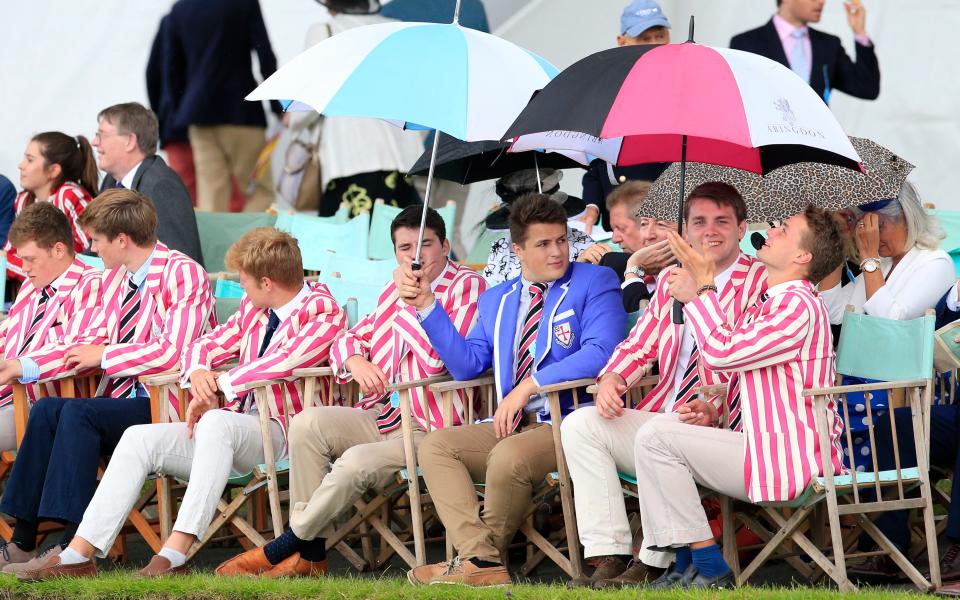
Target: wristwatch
(634, 271)
(869, 265)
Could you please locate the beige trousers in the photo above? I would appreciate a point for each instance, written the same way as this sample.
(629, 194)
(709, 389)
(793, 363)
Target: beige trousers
(453, 459)
(336, 455)
(672, 458)
(597, 449)
(222, 153)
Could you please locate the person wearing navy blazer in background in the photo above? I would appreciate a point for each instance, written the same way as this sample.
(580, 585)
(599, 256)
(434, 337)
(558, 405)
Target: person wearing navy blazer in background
(817, 57)
(556, 322)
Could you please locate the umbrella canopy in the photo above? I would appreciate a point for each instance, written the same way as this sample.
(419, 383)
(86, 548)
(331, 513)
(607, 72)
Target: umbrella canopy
(467, 162)
(468, 84)
(638, 104)
(787, 190)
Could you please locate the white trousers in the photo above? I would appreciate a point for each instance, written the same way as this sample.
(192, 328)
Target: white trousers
(596, 449)
(224, 443)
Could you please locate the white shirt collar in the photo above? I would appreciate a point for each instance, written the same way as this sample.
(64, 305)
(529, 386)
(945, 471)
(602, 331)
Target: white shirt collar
(127, 180)
(140, 275)
(283, 313)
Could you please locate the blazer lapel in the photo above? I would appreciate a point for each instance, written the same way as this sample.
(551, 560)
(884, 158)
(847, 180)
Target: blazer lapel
(774, 45)
(143, 168)
(504, 332)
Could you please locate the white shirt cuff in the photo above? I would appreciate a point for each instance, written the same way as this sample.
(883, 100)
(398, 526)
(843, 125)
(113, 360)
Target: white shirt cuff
(226, 386)
(423, 314)
(31, 370)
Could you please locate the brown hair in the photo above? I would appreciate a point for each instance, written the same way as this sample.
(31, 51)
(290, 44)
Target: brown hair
(267, 252)
(822, 240)
(75, 157)
(120, 210)
(531, 209)
(135, 118)
(721, 193)
(44, 224)
(631, 194)
(409, 218)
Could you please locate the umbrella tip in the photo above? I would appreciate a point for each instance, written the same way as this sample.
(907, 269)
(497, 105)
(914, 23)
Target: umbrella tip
(689, 39)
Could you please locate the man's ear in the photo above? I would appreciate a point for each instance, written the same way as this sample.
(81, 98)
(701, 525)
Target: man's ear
(804, 257)
(132, 143)
(742, 228)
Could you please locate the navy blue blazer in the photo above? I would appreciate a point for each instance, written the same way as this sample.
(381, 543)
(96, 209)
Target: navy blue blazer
(207, 62)
(860, 78)
(582, 322)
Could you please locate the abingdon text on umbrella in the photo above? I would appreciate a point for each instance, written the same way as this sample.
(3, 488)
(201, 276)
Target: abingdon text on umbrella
(448, 78)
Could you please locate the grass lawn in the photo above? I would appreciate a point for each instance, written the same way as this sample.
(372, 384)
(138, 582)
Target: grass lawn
(121, 585)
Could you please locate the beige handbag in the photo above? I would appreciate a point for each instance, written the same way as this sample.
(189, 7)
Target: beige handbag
(299, 181)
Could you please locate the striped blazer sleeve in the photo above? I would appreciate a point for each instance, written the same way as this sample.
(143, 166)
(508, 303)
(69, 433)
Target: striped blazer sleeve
(775, 335)
(219, 346)
(84, 322)
(189, 302)
(632, 356)
(461, 306)
(72, 200)
(355, 341)
(310, 347)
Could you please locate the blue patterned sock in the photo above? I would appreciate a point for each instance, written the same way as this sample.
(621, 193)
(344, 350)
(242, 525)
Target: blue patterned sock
(683, 559)
(284, 546)
(709, 561)
(314, 550)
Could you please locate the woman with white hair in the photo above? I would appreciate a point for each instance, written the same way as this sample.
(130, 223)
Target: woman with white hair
(903, 270)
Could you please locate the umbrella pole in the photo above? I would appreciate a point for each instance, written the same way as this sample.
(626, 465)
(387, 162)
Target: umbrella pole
(536, 168)
(426, 199)
(677, 306)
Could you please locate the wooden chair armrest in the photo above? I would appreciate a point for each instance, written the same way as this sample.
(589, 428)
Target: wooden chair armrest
(161, 379)
(646, 381)
(314, 372)
(426, 381)
(486, 379)
(565, 385)
(865, 387)
(712, 390)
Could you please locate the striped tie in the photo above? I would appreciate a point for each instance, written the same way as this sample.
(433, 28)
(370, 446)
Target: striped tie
(45, 294)
(734, 391)
(526, 352)
(690, 381)
(129, 311)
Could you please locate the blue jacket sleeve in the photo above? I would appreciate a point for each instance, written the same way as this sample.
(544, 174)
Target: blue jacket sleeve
(465, 358)
(603, 326)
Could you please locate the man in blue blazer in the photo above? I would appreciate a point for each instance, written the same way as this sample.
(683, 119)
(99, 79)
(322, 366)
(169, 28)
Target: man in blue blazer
(556, 322)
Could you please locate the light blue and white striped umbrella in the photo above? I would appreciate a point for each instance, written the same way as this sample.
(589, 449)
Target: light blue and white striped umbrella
(465, 83)
(468, 84)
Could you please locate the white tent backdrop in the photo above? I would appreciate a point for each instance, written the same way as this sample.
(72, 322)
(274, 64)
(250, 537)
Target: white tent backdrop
(64, 61)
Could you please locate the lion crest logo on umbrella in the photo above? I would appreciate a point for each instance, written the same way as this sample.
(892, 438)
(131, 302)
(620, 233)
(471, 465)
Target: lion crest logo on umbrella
(783, 105)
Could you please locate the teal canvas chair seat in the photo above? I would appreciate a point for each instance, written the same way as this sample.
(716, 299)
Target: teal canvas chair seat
(219, 230)
(900, 355)
(380, 245)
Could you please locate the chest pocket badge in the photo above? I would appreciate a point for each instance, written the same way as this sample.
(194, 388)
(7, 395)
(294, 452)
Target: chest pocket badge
(563, 334)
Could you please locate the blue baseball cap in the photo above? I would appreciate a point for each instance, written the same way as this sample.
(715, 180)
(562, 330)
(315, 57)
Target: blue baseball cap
(640, 16)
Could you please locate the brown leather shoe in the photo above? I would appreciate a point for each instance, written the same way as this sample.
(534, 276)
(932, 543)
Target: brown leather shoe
(159, 566)
(11, 554)
(605, 567)
(34, 563)
(635, 574)
(879, 568)
(251, 562)
(950, 564)
(294, 566)
(51, 568)
(459, 571)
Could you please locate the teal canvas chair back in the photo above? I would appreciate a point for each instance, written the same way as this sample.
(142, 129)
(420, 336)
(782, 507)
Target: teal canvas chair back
(359, 270)
(885, 349)
(380, 245)
(94, 261)
(219, 230)
(285, 219)
(318, 238)
(950, 223)
(227, 295)
(365, 295)
(350, 307)
(480, 252)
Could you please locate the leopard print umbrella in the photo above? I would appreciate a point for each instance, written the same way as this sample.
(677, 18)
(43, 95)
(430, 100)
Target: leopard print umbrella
(785, 191)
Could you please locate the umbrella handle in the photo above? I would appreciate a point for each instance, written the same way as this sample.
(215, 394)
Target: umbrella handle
(677, 312)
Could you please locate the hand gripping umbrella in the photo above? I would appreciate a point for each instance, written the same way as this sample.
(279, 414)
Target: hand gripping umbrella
(448, 78)
(680, 102)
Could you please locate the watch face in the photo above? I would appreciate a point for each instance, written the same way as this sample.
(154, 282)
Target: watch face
(870, 266)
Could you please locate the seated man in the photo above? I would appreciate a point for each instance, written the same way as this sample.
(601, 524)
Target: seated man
(60, 292)
(282, 324)
(598, 440)
(337, 453)
(775, 349)
(556, 322)
(155, 301)
(642, 239)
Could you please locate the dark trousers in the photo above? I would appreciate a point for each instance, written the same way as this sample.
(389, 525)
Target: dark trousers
(944, 452)
(55, 473)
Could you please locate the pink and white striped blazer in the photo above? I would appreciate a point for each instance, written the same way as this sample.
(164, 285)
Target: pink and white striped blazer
(392, 339)
(655, 337)
(301, 341)
(777, 348)
(72, 200)
(176, 308)
(70, 310)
